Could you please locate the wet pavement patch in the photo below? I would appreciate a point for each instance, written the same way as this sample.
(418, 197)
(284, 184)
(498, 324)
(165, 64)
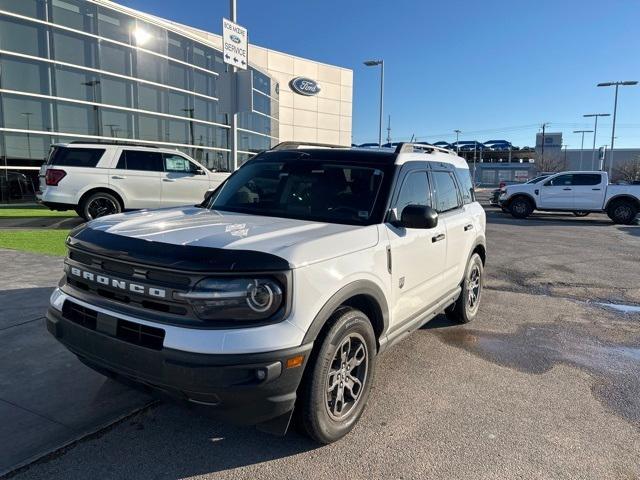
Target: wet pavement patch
(537, 348)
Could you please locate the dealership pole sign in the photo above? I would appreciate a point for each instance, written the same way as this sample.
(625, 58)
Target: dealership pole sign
(235, 44)
(304, 86)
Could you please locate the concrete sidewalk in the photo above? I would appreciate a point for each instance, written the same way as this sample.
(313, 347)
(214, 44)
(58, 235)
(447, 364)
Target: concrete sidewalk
(48, 398)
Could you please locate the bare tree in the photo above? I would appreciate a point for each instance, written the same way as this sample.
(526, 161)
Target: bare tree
(550, 164)
(629, 171)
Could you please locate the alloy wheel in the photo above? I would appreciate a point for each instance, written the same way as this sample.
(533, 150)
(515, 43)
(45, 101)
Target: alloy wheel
(347, 376)
(473, 288)
(101, 206)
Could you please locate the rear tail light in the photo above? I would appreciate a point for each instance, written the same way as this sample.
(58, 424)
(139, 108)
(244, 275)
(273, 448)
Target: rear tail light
(53, 176)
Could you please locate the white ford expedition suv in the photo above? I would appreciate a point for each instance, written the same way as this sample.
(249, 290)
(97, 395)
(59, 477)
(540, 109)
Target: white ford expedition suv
(578, 192)
(282, 288)
(97, 179)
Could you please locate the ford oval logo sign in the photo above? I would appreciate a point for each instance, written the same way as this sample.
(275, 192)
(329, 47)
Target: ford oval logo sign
(235, 39)
(304, 86)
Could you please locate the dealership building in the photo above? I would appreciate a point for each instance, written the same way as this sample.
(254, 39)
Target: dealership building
(97, 71)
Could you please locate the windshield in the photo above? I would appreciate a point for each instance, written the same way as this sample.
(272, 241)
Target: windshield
(318, 190)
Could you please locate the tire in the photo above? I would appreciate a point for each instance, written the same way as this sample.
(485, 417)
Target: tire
(465, 309)
(98, 205)
(520, 207)
(580, 213)
(320, 413)
(622, 212)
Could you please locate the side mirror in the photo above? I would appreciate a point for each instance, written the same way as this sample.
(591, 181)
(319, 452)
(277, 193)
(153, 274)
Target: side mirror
(418, 216)
(200, 171)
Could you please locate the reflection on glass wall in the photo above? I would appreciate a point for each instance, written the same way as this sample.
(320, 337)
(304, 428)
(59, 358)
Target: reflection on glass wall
(159, 86)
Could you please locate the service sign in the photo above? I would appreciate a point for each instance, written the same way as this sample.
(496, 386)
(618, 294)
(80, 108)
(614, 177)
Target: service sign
(235, 40)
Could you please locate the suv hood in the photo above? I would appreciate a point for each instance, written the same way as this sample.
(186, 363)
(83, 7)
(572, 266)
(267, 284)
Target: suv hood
(299, 242)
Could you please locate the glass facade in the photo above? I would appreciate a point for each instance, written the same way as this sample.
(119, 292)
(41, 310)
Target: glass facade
(76, 70)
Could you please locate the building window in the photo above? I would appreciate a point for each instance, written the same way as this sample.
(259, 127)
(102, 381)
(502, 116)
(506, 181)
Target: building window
(24, 75)
(178, 76)
(28, 8)
(25, 149)
(115, 58)
(150, 67)
(116, 123)
(74, 118)
(149, 127)
(76, 84)
(151, 98)
(25, 113)
(75, 49)
(114, 91)
(114, 25)
(179, 47)
(76, 14)
(22, 37)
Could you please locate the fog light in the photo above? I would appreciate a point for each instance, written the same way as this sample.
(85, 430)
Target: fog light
(261, 374)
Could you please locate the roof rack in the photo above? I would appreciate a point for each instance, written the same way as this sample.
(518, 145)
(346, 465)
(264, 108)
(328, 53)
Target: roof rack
(408, 147)
(298, 145)
(115, 142)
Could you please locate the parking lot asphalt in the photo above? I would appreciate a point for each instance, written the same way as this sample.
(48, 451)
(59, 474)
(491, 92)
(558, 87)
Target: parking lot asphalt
(544, 384)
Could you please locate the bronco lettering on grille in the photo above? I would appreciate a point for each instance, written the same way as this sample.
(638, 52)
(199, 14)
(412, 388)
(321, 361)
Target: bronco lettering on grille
(119, 284)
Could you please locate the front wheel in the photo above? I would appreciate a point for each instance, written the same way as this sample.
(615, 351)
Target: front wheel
(466, 307)
(520, 207)
(336, 388)
(580, 213)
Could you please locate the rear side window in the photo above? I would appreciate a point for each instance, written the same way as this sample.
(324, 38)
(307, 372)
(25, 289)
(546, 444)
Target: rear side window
(445, 191)
(468, 195)
(76, 157)
(140, 160)
(586, 179)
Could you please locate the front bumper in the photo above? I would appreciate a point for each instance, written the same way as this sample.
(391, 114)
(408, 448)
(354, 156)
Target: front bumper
(227, 383)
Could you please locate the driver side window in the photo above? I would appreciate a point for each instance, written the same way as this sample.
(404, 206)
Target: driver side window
(560, 180)
(414, 191)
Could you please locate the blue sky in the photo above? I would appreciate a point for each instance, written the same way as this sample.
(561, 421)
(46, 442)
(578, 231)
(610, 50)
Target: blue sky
(495, 68)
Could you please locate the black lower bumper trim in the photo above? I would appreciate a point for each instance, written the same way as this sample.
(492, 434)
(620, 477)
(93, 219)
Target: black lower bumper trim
(240, 388)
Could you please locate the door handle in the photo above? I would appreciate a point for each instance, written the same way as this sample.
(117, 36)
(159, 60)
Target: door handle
(595, 189)
(168, 180)
(118, 177)
(566, 189)
(468, 227)
(437, 238)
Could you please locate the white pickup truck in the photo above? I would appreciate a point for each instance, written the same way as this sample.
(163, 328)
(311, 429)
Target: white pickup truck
(577, 192)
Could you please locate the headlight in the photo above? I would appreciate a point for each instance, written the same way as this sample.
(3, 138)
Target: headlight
(235, 298)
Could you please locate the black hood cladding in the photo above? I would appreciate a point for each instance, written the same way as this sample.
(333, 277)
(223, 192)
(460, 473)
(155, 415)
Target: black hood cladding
(170, 256)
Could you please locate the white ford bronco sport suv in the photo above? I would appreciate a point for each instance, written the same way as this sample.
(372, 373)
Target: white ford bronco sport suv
(101, 178)
(282, 288)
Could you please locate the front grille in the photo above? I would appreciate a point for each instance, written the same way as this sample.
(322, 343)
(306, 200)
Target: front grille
(133, 273)
(83, 316)
(138, 334)
(130, 332)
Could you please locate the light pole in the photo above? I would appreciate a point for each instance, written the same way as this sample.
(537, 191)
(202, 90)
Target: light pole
(375, 63)
(27, 115)
(457, 132)
(93, 84)
(595, 132)
(581, 145)
(626, 83)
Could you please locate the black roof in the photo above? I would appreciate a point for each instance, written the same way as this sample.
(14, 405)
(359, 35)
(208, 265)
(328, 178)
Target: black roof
(334, 154)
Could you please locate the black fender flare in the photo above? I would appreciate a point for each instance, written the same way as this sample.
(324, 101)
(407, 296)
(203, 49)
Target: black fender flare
(358, 287)
(622, 196)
